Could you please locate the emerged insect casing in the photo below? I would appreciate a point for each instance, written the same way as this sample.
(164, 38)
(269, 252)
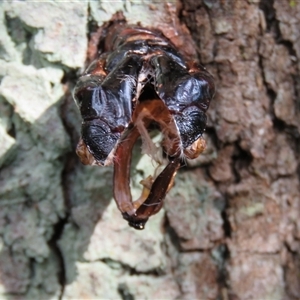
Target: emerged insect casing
(141, 79)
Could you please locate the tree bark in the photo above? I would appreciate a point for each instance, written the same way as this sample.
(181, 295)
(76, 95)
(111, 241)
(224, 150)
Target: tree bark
(230, 227)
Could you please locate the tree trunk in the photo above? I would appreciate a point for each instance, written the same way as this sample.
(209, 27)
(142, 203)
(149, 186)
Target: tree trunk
(230, 227)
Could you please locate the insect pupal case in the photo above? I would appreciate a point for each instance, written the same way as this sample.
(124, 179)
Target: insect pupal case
(84, 95)
(187, 96)
(105, 104)
(96, 133)
(120, 88)
(141, 82)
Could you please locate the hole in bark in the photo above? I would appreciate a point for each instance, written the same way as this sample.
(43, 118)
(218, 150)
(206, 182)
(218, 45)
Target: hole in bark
(211, 131)
(223, 274)
(124, 292)
(278, 124)
(242, 159)
(12, 131)
(267, 6)
(172, 234)
(92, 27)
(226, 223)
(70, 77)
(57, 232)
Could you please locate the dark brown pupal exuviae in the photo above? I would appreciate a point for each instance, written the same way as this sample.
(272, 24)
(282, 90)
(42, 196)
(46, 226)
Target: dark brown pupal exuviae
(140, 82)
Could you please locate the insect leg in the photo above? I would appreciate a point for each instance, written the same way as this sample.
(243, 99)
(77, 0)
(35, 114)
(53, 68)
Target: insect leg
(154, 201)
(122, 193)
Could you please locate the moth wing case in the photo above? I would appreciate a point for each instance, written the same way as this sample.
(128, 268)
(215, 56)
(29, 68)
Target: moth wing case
(105, 105)
(187, 95)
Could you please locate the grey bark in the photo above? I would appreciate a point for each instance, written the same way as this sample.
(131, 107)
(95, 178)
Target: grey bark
(230, 227)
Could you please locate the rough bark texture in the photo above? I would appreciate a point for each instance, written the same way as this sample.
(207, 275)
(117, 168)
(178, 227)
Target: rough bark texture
(230, 228)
